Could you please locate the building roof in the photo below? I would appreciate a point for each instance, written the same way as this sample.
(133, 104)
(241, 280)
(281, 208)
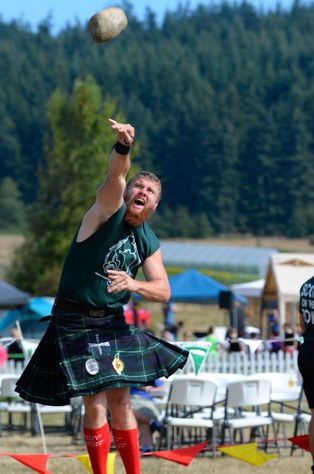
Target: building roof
(286, 274)
(216, 257)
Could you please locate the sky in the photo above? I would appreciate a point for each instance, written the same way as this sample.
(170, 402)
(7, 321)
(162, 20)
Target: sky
(69, 11)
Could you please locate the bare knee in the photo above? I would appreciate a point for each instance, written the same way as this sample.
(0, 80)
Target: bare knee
(95, 415)
(120, 407)
(118, 401)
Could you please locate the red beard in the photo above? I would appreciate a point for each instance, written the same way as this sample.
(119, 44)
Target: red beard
(135, 220)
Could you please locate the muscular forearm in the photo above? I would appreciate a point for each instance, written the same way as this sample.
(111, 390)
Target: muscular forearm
(156, 291)
(111, 191)
(109, 196)
(119, 164)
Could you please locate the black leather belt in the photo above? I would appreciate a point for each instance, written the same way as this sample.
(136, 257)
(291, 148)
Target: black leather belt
(80, 307)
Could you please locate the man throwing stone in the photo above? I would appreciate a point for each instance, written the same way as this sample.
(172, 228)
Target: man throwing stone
(88, 349)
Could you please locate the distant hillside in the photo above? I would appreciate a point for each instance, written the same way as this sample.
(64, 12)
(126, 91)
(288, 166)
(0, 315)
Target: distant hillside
(222, 98)
(9, 244)
(282, 244)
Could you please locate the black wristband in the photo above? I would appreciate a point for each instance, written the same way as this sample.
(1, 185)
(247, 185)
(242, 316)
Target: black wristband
(122, 149)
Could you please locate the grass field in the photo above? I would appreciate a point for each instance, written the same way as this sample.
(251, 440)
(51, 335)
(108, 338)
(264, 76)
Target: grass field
(202, 464)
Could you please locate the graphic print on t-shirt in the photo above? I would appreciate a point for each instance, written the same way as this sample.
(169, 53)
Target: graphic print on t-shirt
(307, 302)
(122, 256)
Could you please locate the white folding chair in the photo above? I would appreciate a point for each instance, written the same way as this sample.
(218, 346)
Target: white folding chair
(301, 421)
(283, 385)
(188, 396)
(11, 402)
(284, 390)
(66, 410)
(15, 404)
(243, 410)
(77, 420)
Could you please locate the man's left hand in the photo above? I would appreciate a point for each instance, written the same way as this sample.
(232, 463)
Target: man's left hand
(120, 281)
(125, 132)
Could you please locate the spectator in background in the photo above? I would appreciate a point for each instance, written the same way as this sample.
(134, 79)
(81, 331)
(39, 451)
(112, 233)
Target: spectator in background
(3, 355)
(174, 329)
(167, 335)
(213, 339)
(135, 308)
(187, 336)
(232, 343)
(147, 413)
(254, 343)
(169, 310)
(274, 344)
(15, 349)
(273, 322)
(289, 343)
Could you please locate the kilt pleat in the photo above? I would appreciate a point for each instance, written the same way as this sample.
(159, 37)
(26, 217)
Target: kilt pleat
(43, 380)
(83, 355)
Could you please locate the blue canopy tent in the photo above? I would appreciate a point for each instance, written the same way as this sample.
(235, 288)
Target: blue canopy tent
(193, 286)
(28, 317)
(11, 297)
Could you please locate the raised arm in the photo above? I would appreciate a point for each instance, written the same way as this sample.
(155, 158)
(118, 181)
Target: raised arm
(109, 197)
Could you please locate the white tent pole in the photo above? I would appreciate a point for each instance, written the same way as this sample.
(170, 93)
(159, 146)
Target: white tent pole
(26, 355)
(19, 329)
(41, 428)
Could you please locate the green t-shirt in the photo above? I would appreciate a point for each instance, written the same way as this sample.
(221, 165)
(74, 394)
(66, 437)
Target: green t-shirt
(214, 346)
(115, 245)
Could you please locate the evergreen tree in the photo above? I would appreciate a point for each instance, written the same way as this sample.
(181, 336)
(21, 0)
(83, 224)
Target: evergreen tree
(221, 97)
(77, 152)
(12, 209)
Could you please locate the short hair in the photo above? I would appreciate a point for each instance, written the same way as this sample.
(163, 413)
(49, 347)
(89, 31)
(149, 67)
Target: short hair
(147, 175)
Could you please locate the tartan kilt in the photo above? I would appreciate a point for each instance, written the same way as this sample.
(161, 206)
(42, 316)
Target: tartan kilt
(83, 355)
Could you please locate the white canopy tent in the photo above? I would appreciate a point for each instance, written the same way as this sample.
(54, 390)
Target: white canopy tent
(285, 275)
(250, 289)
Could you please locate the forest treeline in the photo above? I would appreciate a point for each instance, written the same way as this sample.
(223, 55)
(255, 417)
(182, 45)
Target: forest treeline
(222, 98)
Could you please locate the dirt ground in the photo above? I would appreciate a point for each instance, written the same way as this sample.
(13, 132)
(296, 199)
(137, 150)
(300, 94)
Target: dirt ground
(60, 444)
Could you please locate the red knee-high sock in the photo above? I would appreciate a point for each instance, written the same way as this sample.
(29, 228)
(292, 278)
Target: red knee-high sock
(98, 444)
(126, 442)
